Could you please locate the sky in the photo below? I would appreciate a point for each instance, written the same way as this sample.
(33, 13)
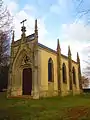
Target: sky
(56, 19)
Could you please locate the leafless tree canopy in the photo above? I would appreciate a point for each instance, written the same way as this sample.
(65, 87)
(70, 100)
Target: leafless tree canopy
(4, 48)
(86, 69)
(5, 18)
(85, 82)
(5, 30)
(82, 9)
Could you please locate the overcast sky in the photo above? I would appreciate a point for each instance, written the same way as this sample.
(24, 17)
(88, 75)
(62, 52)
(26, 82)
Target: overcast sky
(56, 19)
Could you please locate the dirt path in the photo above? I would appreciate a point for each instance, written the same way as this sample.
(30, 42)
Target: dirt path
(77, 113)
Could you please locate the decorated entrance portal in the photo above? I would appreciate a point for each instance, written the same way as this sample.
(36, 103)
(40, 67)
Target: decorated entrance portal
(27, 81)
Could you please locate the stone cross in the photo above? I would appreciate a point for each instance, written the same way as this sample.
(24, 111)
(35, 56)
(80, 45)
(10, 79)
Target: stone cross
(23, 29)
(23, 22)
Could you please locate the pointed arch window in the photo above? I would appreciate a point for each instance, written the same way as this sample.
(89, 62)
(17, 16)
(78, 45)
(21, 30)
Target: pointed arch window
(64, 73)
(74, 75)
(50, 70)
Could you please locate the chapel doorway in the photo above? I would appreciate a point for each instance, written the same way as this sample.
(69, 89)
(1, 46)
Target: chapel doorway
(27, 81)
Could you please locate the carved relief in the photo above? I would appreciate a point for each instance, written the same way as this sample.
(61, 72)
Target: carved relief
(26, 60)
(15, 51)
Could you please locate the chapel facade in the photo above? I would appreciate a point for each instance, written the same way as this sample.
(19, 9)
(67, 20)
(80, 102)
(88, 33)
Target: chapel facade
(38, 71)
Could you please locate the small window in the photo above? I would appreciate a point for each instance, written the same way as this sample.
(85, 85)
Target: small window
(50, 70)
(74, 75)
(64, 73)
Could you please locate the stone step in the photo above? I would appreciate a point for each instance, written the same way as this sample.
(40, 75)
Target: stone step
(21, 96)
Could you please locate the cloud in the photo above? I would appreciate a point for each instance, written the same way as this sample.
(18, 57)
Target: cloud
(12, 6)
(77, 32)
(78, 37)
(60, 7)
(28, 12)
(30, 9)
(30, 23)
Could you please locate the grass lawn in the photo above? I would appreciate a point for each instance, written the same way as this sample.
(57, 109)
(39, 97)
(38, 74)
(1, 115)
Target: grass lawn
(56, 108)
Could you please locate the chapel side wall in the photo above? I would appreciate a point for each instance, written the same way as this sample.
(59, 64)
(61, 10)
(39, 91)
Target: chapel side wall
(46, 88)
(65, 86)
(76, 89)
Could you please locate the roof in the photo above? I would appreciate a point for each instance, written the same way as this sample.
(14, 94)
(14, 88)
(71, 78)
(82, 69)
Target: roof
(31, 38)
(54, 51)
(45, 47)
(28, 38)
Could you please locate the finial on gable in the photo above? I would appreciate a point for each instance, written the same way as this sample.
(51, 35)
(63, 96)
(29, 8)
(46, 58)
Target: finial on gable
(58, 44)
(13, 35)
(23, 29)
(36, 27)
(69, 51)
(78, 59)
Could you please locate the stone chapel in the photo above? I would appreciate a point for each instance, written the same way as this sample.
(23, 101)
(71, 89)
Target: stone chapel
(38, 71)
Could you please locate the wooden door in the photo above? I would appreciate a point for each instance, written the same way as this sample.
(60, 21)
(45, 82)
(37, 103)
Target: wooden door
(27, 81)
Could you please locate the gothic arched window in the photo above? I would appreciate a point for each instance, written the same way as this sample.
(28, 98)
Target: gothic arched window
(74, 75)
(64, 73)
(50, 70)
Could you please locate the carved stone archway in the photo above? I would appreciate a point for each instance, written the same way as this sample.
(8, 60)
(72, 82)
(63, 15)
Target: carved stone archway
(22, 61)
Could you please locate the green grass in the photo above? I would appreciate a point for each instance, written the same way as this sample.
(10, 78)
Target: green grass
(56, 108)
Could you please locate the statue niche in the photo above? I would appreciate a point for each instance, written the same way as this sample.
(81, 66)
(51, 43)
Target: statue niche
(26, 60)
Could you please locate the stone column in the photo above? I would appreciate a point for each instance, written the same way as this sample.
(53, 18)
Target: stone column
(32, 82)
(59, 70)
(36, 85)
(35, 64)
(79, 73)
(9, 85)
(70, 68)
(10, 69)
(39, 71)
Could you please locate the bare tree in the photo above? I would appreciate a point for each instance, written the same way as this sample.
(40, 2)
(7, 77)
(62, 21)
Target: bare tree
(4, 48)
(82, 9)
(5, 31)
(86, 69)
(5, 17)
(85, 82)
